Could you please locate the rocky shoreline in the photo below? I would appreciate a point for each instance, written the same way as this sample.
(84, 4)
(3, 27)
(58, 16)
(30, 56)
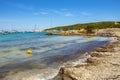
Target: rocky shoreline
(102, 64)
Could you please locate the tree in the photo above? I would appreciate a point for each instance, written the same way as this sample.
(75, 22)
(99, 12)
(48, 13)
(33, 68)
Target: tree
(89, 28)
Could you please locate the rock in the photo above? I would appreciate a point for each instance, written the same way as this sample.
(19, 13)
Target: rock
(95, 54)
(93, 60)
(108, 32)
(63, 75)
(106, 49)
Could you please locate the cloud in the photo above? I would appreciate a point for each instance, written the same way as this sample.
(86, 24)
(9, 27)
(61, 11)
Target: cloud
(63, 12)
(68, 14)
(64, 9)
(85, 13)
(109, 18)
(60, 12)
(20, 5)
(40, 13)
(26, 7)
(43, 13)
(57, 12)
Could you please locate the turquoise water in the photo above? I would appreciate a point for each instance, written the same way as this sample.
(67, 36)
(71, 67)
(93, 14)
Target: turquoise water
(49, 52)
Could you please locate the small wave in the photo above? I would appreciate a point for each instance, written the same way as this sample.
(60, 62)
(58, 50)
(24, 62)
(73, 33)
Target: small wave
(58, 46)
(79, 61)
(34, 74)
(42, 49)
(113, 39)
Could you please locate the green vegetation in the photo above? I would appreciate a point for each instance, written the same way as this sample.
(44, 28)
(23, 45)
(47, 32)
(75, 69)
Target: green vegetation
(88, 26)
(89, 29)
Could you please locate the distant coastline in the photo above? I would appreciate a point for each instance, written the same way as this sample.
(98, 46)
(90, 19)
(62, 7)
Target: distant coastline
(88, 29)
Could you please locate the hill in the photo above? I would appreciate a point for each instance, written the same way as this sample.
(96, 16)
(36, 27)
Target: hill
(96, 25)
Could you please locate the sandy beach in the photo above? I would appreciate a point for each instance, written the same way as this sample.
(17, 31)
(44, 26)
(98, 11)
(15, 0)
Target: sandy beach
(102, 64)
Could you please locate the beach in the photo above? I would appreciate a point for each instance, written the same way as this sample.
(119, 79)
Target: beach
(101, 64)
(70, 58)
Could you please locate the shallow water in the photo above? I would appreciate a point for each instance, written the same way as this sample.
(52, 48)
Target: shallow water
(49, 53)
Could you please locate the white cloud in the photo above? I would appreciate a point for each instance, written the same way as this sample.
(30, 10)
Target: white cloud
(43, 13)
(63, 12)
(64, 9)
(68, 14)
(109, 18)
(57, 12)
(85, 13)
(20, 5)
(40, 13)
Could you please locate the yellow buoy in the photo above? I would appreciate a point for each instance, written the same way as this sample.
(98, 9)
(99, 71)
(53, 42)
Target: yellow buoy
(29, 51)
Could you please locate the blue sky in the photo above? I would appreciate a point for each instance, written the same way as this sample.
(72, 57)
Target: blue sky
(26, 14)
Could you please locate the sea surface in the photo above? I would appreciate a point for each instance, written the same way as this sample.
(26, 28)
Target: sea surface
(49, 54)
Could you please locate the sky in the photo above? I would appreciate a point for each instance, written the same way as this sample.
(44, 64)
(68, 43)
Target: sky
(42, 14)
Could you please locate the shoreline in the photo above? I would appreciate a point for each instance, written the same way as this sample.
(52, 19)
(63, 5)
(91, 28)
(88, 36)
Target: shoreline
(102, 64)
(108, 32)
(94, 60)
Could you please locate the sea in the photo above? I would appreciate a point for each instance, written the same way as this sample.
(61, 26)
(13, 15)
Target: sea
(49, 54)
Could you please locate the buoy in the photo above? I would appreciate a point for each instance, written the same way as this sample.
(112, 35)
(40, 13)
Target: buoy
(29, 51)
